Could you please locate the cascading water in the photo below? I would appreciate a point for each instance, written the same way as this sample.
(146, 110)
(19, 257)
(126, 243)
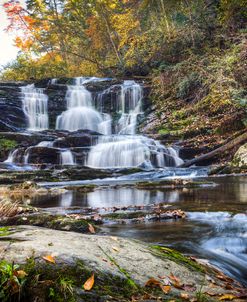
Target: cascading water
(127, 149)
(66, 158)
(129, 104)
(95, 112)
(131, 151)
(80, 113)
(35, 107)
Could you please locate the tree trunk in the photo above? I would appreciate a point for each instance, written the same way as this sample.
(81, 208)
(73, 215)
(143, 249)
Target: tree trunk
(233, 143)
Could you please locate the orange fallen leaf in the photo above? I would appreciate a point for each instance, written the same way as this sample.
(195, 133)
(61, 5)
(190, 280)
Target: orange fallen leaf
(89, 283)
(49, 258)
(227, 297)
(175, 281)
(152, 282)
(91, 228)
(165, 288)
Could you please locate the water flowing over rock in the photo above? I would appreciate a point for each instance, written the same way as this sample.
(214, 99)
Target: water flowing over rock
(35, 104)
(96, 129)
(131, 151)
(80, 113)
(66, 158)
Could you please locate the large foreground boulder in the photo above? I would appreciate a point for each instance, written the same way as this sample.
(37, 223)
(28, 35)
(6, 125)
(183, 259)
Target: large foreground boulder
(59, 263)
(240, 157)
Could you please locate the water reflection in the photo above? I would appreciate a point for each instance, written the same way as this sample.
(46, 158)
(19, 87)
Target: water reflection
(215, 228)
(106, 197)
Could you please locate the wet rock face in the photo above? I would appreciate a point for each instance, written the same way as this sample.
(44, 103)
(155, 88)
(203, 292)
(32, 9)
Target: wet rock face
(77, 139)
(43, 155)
(12, 117)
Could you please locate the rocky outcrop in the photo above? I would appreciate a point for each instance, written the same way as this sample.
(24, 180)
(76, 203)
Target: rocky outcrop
(240, 157)
(12, 116)
(121, 267)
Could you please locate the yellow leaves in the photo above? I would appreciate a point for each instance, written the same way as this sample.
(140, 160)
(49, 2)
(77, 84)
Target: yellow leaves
(227, 297)
(155, 283)
(89, 283)
(49, 258)
(21, 274)
(23, 43)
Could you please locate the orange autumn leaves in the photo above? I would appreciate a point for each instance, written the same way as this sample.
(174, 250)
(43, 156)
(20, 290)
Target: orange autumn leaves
(88, 285)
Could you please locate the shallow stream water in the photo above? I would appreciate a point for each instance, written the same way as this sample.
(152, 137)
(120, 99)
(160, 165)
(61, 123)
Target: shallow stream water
(215, 227)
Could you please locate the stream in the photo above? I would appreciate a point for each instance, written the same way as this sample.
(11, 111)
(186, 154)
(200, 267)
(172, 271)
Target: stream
(95, 125)
(215, 228)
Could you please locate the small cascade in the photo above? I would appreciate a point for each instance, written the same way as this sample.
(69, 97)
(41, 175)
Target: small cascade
(129, 105)
(66, 158)
(131, 151)
(12, 157)
(35, 107)
(80, 113)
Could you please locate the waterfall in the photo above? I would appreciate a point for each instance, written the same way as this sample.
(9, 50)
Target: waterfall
(12, 156)
(35, 107)
(66, 158)
(129, 105)
(80, 113)
(114, 110)
(123, 151)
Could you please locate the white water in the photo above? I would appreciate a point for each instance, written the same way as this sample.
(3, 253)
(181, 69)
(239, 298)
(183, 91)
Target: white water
(12, 157)
(124, 149)
(129, 105)
(131, 151)
(35, 107)
(66, 158)
(80, 113)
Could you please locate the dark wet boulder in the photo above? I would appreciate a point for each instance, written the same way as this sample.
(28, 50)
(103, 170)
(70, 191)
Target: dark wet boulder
(12, 117)
(80, 138)
(43, 155)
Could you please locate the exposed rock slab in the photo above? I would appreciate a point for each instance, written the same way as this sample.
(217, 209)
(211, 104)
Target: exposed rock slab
(105, 255)
(240, 157)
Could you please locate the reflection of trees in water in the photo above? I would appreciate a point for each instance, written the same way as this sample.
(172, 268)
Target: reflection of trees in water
(128, 196)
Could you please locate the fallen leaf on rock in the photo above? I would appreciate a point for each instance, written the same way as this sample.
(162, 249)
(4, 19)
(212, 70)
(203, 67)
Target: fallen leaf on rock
(89, 283)
(227, 297)
(165, 288)
(184, 296)
(152, 282)
(173, 278)
(91, 228)
(115, 249)
(156, 283)
(49, 258)
(175, 281)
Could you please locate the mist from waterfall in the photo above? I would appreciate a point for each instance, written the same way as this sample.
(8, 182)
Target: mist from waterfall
(35, 107)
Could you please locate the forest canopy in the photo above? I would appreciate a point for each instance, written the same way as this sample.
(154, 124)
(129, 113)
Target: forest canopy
(60, 38)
